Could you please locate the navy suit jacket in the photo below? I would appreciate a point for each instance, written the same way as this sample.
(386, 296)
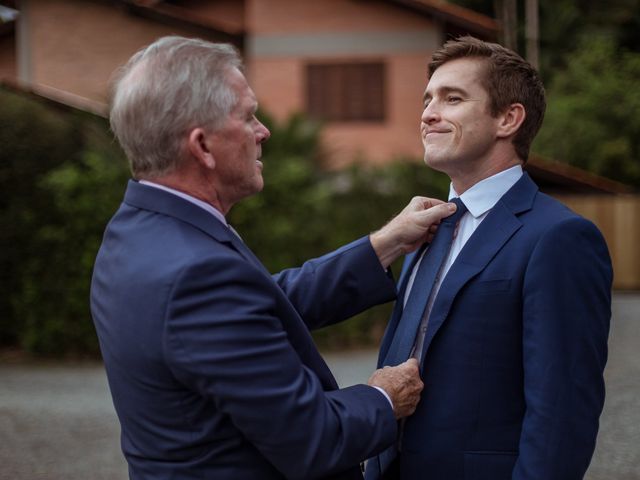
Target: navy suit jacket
(211, 366)
(515, 349)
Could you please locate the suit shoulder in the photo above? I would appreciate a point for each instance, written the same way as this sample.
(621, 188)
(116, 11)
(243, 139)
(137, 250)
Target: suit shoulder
(549, 206)
(549, 218)
(152, 242)
(558, 225)
(552, 212)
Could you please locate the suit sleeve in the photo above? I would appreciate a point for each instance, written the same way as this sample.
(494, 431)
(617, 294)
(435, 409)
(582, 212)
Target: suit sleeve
(566, 313)
(224, 340)
(338, 285)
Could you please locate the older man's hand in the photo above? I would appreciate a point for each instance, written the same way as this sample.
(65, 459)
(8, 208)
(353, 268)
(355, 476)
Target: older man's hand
(412, 227)
(402, 384)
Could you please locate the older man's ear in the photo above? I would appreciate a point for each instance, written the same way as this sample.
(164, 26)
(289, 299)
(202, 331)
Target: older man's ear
(199, 149)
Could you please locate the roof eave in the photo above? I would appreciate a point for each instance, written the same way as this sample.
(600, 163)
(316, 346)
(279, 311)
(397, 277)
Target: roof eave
(159, 10)
(575, 178)
(469, 20)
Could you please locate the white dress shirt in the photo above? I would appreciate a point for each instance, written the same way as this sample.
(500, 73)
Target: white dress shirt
(479, 200)
(196, 201)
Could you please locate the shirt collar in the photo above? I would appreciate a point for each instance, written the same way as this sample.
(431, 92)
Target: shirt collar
(483, 196)
(209, 208)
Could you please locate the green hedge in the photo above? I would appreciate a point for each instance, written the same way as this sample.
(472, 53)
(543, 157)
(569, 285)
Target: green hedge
(63, 177)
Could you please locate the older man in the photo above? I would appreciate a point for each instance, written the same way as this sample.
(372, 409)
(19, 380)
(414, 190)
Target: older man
(211, 366)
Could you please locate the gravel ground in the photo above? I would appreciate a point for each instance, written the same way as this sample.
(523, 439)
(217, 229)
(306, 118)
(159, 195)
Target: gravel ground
(57, 421)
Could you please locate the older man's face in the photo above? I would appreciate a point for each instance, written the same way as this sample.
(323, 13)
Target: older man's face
(237, 145)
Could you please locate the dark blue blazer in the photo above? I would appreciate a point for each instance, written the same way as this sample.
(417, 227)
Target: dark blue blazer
(515, 349)
(211, 366)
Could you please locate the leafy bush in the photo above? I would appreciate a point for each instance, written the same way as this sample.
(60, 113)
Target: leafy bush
(35, 139)
(54, 300)
(62, 178)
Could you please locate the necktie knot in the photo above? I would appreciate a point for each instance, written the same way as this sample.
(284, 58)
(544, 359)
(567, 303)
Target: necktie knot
(455, 217)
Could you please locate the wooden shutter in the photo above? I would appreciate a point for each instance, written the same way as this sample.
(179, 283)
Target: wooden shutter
(346, 91)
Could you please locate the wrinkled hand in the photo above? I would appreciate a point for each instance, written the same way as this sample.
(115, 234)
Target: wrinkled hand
(412, 227)
(402, 384)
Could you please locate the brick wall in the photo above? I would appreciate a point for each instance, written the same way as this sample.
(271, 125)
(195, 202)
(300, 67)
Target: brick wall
(77, 44)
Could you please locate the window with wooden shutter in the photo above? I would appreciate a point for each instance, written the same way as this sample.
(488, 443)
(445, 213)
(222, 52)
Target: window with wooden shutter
(346, 91)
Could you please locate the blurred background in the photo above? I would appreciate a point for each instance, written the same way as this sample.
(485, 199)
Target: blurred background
(340, 85)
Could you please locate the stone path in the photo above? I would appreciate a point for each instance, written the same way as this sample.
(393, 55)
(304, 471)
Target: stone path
(57, 421)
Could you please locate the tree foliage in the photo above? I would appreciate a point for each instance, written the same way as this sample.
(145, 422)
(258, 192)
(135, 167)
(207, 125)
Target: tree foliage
(563, 23)
(592, 119)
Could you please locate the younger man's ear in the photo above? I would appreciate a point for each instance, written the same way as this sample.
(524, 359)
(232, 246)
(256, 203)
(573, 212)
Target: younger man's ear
(511, 120)
(199, 148)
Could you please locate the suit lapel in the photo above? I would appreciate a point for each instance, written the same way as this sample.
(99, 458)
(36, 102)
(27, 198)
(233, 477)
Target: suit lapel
(484, 244)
